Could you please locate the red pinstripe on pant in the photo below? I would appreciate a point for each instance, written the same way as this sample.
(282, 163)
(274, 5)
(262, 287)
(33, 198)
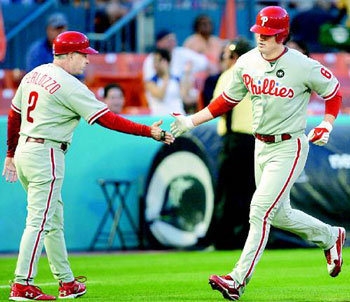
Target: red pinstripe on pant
(269, 211)
(45, 214)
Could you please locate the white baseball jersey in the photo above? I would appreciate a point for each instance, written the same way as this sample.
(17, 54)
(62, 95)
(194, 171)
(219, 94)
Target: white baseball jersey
(51, 102)
(280, 90)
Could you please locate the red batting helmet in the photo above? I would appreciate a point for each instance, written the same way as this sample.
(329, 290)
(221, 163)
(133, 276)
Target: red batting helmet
(72, 41)
(272, 20)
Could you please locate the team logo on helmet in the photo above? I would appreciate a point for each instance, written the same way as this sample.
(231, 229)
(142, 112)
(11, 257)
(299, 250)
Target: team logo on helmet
(280, 73)
(272, 21)
(264, 19)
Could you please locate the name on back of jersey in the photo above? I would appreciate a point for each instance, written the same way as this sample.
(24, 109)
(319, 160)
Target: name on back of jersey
(267, 86)
(42, 80)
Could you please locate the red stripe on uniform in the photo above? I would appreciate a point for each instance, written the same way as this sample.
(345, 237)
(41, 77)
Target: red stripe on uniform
(333, 93)
(229, 99)
(271, 60)
(270, 209)
(45, 214)
(16, 108)
(96, 115)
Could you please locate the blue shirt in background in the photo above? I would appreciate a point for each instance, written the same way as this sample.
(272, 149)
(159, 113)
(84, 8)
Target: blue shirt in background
(40, 52)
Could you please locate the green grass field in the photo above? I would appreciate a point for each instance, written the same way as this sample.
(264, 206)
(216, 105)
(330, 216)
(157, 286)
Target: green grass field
(281, 275)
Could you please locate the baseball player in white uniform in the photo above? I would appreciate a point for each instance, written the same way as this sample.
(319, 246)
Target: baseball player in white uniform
(280, 82)
(45, 111)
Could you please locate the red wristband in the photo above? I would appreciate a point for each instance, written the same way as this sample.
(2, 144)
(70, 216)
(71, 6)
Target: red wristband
(221, 105)
(333, 104)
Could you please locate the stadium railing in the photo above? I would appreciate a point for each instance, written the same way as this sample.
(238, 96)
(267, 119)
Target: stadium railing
(121, 35)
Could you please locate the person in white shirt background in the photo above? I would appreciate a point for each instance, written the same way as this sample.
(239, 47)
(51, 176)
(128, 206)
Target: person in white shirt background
(180, 57)
(167, 92)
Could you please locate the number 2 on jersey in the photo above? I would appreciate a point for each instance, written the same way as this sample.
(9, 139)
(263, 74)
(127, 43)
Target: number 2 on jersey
(33, 98)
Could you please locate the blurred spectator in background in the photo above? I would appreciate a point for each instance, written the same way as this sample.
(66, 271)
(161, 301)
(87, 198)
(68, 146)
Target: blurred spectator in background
(117, 9)
(298, 45)
(101, 22)
(180, 57)
(203, 41)
(113, 96)
(109, 12)
(165, 92)
(231, 223)
(305, 26)
(210, 83)
(40, 52)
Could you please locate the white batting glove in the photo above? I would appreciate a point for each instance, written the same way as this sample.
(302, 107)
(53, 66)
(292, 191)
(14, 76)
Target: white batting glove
(181, 124)
(320, 134)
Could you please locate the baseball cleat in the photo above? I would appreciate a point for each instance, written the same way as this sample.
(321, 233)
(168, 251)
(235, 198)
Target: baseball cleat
(226, 285)
(21, 292)
(334, 255)
(74, 289)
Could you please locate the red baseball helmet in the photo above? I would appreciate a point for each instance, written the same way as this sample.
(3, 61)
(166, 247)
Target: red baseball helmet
(72, 41)
(272, 20)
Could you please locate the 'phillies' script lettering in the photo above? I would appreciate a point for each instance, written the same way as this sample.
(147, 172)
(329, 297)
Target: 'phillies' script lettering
(268, 87)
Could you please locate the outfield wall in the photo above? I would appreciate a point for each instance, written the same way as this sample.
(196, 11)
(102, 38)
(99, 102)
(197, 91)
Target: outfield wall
(97, 153)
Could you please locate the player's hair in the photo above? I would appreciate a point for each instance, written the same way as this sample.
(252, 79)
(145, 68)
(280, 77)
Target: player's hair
(108, 87)
(164, 54)
(61, 57)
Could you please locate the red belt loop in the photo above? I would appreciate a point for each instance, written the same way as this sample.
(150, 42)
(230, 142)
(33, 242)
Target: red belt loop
(35, 140)
(63, 146)
(271, 138)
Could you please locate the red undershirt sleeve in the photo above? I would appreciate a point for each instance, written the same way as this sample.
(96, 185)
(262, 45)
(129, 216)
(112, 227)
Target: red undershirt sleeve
(115, 122)
(13, 127)
(333, 104)
(220, 105)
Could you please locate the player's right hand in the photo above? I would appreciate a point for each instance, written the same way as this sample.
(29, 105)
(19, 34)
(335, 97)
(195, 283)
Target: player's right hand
(181, 124)
(161, 135)
(320, 134)
(9, 171)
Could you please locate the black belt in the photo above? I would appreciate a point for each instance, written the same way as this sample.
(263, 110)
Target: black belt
(63, 146)
(272, 138)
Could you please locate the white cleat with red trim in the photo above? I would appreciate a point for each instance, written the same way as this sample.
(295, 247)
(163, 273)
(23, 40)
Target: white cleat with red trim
(226, 285)
(334, 254)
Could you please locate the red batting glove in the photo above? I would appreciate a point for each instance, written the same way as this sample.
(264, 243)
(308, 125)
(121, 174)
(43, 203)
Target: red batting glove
(320, 135)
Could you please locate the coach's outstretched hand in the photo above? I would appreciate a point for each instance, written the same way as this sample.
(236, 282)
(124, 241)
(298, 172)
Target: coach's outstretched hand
(9, 171)
(320, 134)
(161, 135)
(181, 124)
